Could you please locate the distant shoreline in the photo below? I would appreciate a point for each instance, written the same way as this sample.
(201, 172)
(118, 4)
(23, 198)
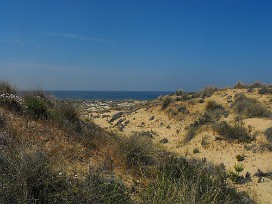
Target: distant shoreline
(107, 95)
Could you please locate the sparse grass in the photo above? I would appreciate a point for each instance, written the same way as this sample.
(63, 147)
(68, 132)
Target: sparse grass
(249, 107)
(183, 181)
(233, 132)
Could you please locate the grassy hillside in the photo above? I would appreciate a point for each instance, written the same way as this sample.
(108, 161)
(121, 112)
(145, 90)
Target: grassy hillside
(49, 155)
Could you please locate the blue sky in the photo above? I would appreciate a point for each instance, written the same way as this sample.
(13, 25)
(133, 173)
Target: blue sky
(135, 45)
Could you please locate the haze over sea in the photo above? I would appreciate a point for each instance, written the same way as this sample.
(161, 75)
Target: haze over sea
(108, 95)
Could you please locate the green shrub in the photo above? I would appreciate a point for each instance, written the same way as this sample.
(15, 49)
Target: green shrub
(235, 175)
(7, 88)
(249, 107)
(36, 106)
(233, 132)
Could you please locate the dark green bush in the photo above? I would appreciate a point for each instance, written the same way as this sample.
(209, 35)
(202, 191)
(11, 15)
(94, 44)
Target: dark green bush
(11, 104)
(233, 132)
(36, 106)
(249, 107)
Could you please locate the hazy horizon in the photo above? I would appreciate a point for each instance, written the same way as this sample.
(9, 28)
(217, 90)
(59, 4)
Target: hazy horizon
(134, 45)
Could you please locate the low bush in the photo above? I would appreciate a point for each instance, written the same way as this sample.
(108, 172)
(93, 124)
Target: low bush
(249, 107)
(208, 91)
(240, 85)
(212, 106)
(265, 90)
(268, 134)
(65, 112)
(166, 101)
(179, 93)
(257, 84)
(233, 132)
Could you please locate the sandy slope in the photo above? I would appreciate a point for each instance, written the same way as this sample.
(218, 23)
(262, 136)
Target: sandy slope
(215, 151)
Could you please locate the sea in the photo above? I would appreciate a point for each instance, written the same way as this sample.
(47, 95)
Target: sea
(107, 95)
